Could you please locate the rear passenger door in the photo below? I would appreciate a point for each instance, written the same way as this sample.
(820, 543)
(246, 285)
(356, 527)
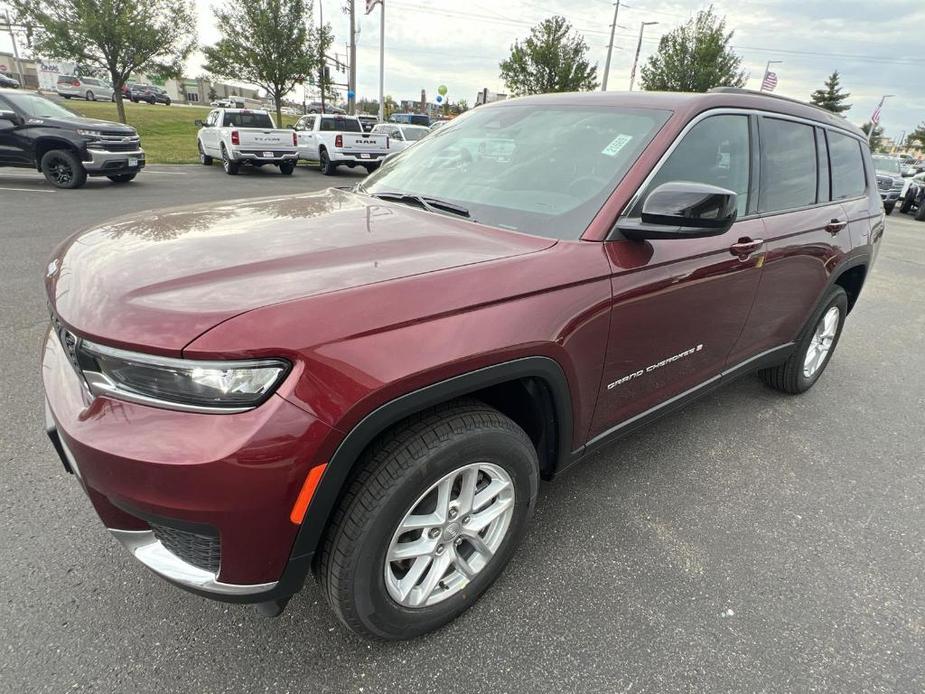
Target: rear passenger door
(679, 305)
(805, 232)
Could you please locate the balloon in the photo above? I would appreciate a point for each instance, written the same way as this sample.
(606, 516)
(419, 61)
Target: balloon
(351, 93)
(442, 90)
(439, 99)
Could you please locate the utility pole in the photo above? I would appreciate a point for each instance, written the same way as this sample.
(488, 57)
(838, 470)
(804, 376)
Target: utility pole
(642, 27)
(613, 29)
(323, 58)
(381, 61)
(9, 26)
(352, 82)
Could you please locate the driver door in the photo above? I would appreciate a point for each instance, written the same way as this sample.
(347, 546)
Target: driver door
(679, 305)
(13, 148)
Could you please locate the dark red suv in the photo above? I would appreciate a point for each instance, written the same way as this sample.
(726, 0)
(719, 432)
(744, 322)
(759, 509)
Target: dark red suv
(369, 384)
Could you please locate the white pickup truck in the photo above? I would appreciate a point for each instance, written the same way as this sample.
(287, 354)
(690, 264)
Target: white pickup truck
(240, 136)
(331, 140)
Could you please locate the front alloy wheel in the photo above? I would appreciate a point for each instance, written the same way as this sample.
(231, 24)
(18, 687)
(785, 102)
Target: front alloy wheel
(430, 520)
(449, 535)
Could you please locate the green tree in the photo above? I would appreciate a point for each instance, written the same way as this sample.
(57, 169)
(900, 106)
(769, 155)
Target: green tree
(876, 140)
(694, 57)
(831, 97)
(916, 136)
(121, 37)
(267, 43)
(552, 59)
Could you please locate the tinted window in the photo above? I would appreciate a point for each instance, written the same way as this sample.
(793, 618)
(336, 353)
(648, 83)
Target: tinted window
(243, 119)
(788, 165)
(847, 166)
(342, 124)
(715, 151)
(544, 171)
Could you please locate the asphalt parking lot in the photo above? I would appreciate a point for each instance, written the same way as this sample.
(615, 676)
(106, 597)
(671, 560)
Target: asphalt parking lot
(752, 542)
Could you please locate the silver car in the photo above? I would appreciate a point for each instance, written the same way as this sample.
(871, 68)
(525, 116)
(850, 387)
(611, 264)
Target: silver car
(88, 88)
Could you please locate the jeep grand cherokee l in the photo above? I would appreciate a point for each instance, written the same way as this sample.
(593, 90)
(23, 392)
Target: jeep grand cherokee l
(369, 384)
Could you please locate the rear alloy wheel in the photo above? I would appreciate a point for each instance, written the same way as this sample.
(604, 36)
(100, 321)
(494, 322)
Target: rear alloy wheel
(122, 178)
(231, 167)
(814, 348)
(90, 96)
(63, 169)
(328, 168)
(438, 509)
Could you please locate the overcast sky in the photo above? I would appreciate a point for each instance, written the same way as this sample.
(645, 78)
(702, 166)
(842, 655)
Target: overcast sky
(876, 46)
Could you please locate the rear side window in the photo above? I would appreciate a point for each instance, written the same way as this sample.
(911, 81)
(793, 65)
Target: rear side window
(847, 166)
(716, 152)
(788, 165)
(243, 119)
(822, 156)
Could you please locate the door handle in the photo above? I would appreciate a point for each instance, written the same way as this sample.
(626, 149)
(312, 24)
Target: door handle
(745, 247)
(835, 225)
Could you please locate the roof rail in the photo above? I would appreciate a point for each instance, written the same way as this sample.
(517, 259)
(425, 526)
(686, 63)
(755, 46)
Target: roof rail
(740, 90)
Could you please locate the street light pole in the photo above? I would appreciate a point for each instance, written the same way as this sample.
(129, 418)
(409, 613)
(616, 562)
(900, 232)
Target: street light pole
(381, 61)
(642, 26)
(9, 25)
(321, 68)
(613, 29)
(352, 88)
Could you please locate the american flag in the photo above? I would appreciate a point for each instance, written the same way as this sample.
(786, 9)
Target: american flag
(769, 81)
(875, 116)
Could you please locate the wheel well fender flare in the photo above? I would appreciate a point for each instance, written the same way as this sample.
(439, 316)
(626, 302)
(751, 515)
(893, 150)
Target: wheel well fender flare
(43, 145)
(347, 455)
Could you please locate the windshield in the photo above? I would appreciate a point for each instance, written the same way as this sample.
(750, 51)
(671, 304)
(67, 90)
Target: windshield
(544, 171)
(888, 164)
(242, 119)
(415, 132)
(35, 106)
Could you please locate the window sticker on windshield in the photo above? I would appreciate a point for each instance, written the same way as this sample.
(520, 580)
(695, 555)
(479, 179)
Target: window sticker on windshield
(618, 143)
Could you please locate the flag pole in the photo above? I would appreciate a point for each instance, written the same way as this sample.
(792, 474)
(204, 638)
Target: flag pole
(382, 60)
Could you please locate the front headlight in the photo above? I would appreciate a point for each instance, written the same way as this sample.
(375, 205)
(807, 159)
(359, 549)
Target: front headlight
(88, 133)
(182, 384)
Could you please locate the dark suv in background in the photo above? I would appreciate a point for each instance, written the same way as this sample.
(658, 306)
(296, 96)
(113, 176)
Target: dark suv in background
(369, 384)
(148, 93)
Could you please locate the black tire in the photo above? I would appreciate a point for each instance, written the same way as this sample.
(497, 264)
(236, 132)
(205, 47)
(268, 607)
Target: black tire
(888, 208)
(133, 100)
(113, 98)
(328, 168)
(122, 178)
(789, 377)
(63, 169)
(920, 212)
(396, 471)
(204, 158)
(167, 102)
(286, 168)
(90, 96)
(66, 96)
(231, 167)
(907, 205)
(370, 167)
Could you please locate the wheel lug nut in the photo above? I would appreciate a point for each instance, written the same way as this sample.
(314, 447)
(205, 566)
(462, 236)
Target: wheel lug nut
(453, 513)
(459, 541)
(434, 533)
(439, 549)
(466, 520)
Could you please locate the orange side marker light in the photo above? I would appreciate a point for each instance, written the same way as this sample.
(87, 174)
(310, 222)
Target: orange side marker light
(308, 491)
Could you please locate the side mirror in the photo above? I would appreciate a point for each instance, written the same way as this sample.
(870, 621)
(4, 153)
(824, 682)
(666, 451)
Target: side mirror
(198, 123)
(681, 210)
(9, 115)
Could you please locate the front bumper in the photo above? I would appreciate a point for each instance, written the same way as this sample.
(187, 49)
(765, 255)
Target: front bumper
(106, 163)
(889, 195)
(143, 468)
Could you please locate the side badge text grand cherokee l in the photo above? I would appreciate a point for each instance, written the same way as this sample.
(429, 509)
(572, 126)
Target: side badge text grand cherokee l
(368, 385)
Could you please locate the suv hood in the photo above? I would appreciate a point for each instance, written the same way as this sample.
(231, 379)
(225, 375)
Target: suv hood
(160, 279)
(104, 126)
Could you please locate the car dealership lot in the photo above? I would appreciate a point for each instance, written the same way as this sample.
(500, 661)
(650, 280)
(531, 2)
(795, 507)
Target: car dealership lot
(751, 542)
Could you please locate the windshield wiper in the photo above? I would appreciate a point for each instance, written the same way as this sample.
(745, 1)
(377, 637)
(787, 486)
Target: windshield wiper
(428, 203)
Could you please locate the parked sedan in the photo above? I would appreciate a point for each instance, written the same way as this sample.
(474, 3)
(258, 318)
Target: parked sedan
(401, 137)
(88, 88)
(149, 94)
(7, 82)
